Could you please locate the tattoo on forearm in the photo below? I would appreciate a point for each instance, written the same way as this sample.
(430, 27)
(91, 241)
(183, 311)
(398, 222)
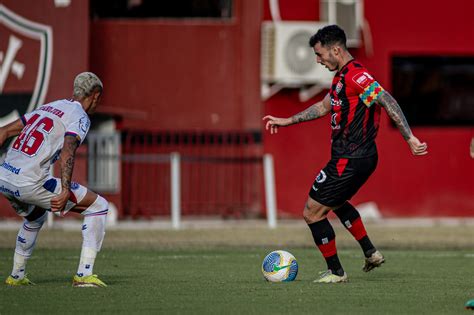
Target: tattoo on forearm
(395, 113)
(309, 113)
(67, 161)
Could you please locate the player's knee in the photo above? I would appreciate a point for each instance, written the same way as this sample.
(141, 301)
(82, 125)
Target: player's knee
(347, 212)
(99, 206)
(36, 214)
(25, 244)
(314, 212)
(307, 215)
(102, 203)
(36, 223)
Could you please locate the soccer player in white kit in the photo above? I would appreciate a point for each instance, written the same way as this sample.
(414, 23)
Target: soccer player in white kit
(53, 132)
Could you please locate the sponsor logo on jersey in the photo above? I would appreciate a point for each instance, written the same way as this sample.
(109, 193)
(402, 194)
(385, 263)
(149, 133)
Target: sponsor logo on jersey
(84, 123)
(321, 177)
(362, 79)
(335, 118)
(338, 87)
(335, 102)
(20, 69)
(74, 185)
(9, 191)
(11, 168)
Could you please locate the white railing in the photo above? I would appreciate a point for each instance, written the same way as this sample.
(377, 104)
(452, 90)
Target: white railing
(175, 190)
(270, 195)
(269, 181)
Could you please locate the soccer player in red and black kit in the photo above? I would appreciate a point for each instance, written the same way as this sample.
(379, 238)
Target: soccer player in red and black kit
(355, 100)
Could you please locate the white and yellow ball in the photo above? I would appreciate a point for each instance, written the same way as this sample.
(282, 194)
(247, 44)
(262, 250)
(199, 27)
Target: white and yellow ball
(280, 266)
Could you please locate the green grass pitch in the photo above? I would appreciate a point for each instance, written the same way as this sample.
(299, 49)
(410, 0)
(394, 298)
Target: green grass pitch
(224, 280)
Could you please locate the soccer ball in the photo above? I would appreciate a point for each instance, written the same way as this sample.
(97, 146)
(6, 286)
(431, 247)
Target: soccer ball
(280, 266)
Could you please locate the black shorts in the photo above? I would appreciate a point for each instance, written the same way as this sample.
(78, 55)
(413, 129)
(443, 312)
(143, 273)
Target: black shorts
(340, 179)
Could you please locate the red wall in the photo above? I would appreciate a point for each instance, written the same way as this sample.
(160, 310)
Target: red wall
(70, 30)
(181, 74)
(440, 184)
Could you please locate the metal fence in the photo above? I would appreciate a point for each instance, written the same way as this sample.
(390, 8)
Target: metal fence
(183, 174)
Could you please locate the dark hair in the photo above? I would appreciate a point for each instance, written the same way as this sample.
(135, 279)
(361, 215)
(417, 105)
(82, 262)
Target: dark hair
(329, 35)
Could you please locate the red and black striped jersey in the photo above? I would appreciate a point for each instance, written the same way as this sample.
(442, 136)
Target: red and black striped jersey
(355, 114)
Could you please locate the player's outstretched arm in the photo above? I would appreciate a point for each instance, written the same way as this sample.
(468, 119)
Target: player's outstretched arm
(66, 161)
(10, 130)
(395, 113)
(314, 111)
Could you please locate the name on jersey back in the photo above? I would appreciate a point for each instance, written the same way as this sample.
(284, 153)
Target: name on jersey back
(52, 110)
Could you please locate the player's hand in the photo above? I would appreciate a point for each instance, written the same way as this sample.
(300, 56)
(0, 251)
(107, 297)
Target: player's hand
(59, 201)
(274, 122)
(417, 148)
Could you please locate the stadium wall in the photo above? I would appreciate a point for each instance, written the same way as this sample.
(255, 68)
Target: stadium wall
(175, 74)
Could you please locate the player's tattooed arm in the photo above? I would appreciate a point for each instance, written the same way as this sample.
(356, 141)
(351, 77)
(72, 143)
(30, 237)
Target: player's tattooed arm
(317, 110)
(66, 160)
(395, 113)
(68, 153)
(314, 111)
(310, 113)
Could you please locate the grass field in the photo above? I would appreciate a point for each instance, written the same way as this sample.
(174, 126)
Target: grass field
(217, 271)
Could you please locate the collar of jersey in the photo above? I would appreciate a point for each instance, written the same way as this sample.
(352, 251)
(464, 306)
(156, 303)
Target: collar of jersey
(345, 66)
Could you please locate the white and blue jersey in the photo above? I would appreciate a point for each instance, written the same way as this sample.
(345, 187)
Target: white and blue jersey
(38, 146)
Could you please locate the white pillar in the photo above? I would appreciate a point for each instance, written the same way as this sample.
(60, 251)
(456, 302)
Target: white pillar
(175, 190)
(50, 220)
(270, 195)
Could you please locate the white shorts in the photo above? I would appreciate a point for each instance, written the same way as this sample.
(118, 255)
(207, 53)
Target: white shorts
(24, 199)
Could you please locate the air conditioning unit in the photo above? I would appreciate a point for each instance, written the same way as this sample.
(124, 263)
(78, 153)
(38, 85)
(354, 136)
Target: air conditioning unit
(348, 14)
(287, 57)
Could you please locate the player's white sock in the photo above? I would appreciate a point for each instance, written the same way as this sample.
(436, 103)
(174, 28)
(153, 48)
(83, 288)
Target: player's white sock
(19, 266)
(93, 232)
(86, 264)
(25, 243)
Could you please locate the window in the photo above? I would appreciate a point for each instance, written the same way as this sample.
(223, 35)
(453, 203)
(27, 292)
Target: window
(435, 91)
(161, 9)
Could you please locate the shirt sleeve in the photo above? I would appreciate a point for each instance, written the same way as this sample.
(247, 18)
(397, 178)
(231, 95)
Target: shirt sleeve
(79, 128)
(366, 87)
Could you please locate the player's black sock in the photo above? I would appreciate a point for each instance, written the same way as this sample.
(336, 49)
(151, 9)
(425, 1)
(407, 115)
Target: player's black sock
(367, 246)
(325, 239)
(351, 219)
